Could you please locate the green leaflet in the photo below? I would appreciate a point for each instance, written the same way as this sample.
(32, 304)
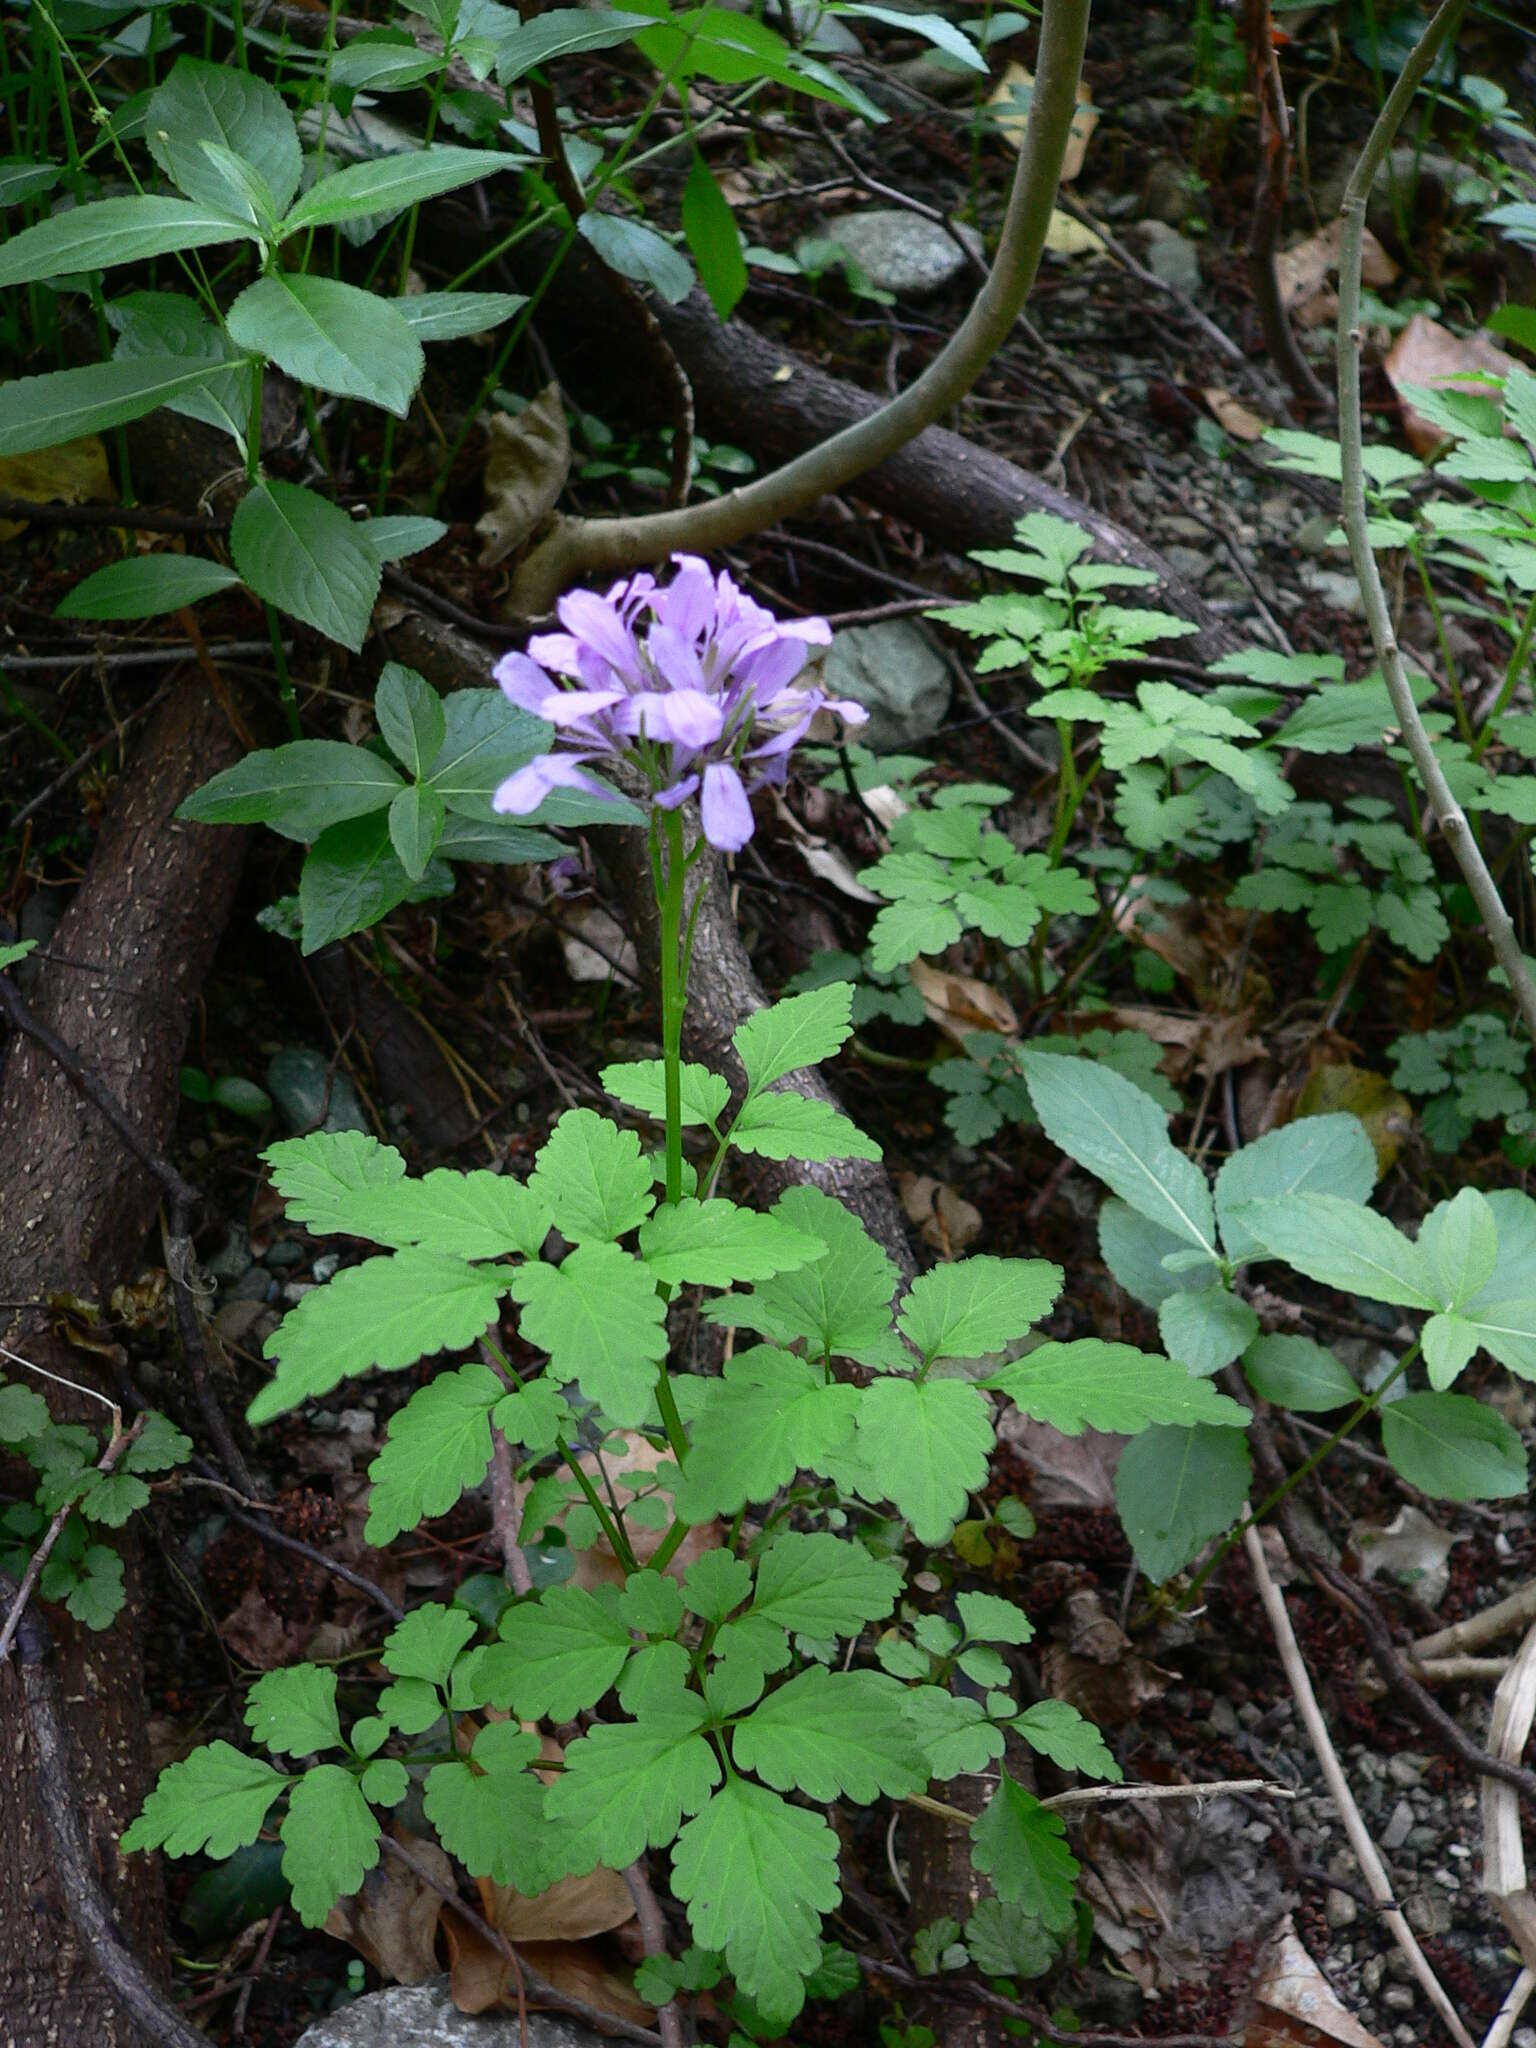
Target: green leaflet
(840, 1303)
(591, 1178)
(490, 1812)
(715, 1244)
(216, 1801)
(976, 1306)
(801, 1031)
(556, 1655)
(768, 1417)
(293, 1712)
(818, 1586)
(599, 1317)
(832, 1734)
(330, 1841)
(1176, 1489)
(626, 1787)
(923, 1446)
(1023, 1849)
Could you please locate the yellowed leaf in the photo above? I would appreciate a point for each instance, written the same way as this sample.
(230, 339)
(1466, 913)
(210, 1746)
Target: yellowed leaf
(1232, 416)
(1009, 102)
(526, 463)
(1302, 271)
(573, 1909)
(959, 1005)
(1065, 236)
(74, 474)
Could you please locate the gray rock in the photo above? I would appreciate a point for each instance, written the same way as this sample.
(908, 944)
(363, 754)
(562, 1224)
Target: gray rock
(900, 251)
(233, 1258)
(302, 1085)
(1171, 256)
(1406, 1768)
(1340, 1909)
(424, 2016)
(900, 679)
(1430, 1912)
(255, 1284)
(285, 1251)
(1399, 1827)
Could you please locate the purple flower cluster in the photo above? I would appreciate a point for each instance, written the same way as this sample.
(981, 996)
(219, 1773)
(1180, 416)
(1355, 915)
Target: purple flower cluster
(691, 679)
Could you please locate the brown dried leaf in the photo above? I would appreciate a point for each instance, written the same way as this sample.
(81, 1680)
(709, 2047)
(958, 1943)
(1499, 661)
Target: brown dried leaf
(1067, 1471)
(526, 465)
(1295, 2003)
(948, 1222)
(256, 1632)
(1410, 1548)
(1426, 353)
(1010, 101)
(1093, 1667)
(74, 474)
(1232, 416)
(1210, 1043)
(1302, 271)
(573, 1909)
(393, 1920)
(958, 1004)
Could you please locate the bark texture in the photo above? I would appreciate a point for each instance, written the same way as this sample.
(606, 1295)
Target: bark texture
(122, 974)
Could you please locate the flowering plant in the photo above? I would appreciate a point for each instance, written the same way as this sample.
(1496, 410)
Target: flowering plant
(683, 678)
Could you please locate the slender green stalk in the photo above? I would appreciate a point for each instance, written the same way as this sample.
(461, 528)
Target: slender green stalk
(285, 691)
(1512, 674)
(1452, 673)
(407, 251)
(1452, 818)
(672, 998)
(618, 1541)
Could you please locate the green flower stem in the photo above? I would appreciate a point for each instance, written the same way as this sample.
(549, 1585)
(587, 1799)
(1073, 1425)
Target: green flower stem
(1512, 675)
(285, 691)
(1453, 677)
(673, 993)
(618, 1541)
(1367, 1405)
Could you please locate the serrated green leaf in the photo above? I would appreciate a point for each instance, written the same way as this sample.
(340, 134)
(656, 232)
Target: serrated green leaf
(926, 1447)
(591, 1178)
(557, 1654)
(976, 1306)
(491, 1814)
(1295, 1372)
(715, 1244)
(1060, 1732)
(416, 820)
(840, 1303)
(301, 553)
(599, 1317)
(389, 184)
(1176, 1489)
(832, 1734)
(1004, 1940)
(319, 1175)
(215, 1801)
(1460, 1240)
(784, 1125)
(145, 586)
(1319, 1155)
(820, 1586)
(1205, 1328)
(1120, 1134)
(987, 1618)
(439, 1446)
(953, 1732)
(411, 717)
(795, 1033)
(64, 405)
(1023, 1849)
(353, 878)
(641, 1085)
(426, 1644)
(1098, 1385)
(476, 1215)
(96, 1598)
(330, 1841)
(330, 334)
(23, 1414)
(1453, 1448)
(908, 928)
(769, 1416)
(532, 1415)
(1340, 1244)
(203, 102)
(293, 1712)
(756, 1875)
(715, 1584)
(385, 1313)
(113, 1498)
(626, 1787)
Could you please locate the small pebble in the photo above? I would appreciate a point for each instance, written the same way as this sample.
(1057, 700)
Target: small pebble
(295, 1290)
(256, 1285)
(1399, 1827)
(286, 1251)
(1406, 1768)
(1397, 1998)
(325, 1266)
(232, 1260)
(1340, 1909)
(1370, 1975)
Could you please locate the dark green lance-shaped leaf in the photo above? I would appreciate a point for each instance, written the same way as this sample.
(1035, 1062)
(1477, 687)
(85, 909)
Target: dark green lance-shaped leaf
(1319, 1155)
(756, 1875)
(784, 1125)
(714, 239)
(768, 1417)
(416, 820)
(448, 316)
(503, 844)
(22, 177)
(1023, 1849)
(1340, 1244)
(330, 1841)
(1060, 1732)
(832, 1734)
(45, 412)
(1109, 1126)
(924, 1447)
(714, 1243)
(599, 1317)
(297, 790)
(145, 586)
(626, 1787)
(1295, 1372)
(352, 878)
(968, 1309)
(112, 231)
(389, 184)
(591, 1178)
(818, 1585)
(557, 1654)
(798, 1032)
(932, 27)
(490, 1813)
(1460, 1241)
(374, 64)
(840, 1303)
(439, 1446)
(411, 717)
(1176, 1489)
(638, 252)
(1453, 1448)
(562, 32)
(486, 739)
(171, 324)
(299, 552)
(293, 1712)
(214, 1802)
(330, 334)
(200, 102)
(1206, 1328)
(385, 1313)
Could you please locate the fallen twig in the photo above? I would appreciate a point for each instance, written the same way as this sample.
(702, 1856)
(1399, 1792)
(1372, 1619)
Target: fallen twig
(653, 1932)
